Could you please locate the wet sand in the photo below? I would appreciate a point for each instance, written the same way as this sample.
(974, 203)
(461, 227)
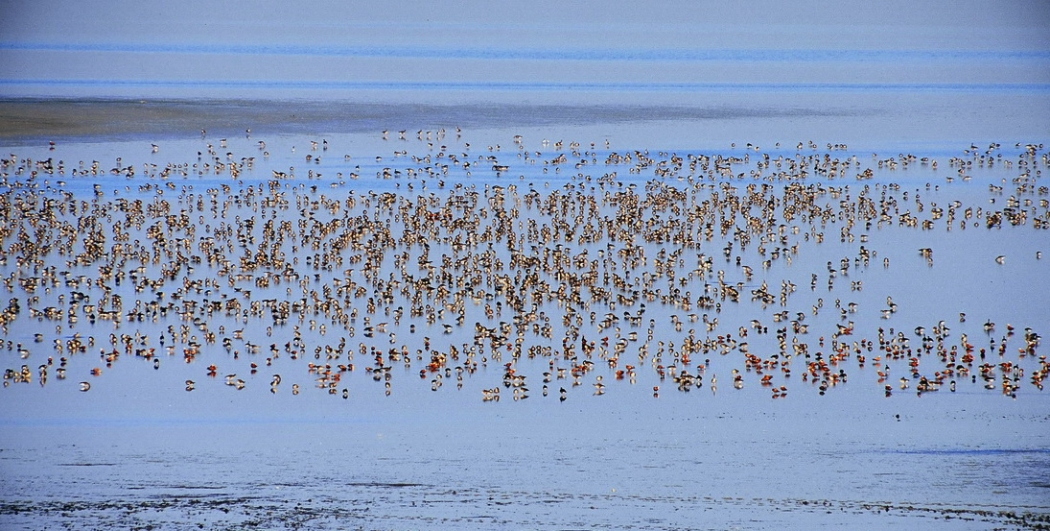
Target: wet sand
(23, 120)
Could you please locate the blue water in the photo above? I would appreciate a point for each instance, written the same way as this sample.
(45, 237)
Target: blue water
(483, 87)
(621, 53)
(845, 56)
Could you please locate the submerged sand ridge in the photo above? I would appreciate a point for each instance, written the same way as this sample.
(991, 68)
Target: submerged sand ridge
(62, 119)
(29, 119)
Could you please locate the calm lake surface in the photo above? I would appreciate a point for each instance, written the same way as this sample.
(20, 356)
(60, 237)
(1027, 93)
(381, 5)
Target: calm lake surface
(496, 242)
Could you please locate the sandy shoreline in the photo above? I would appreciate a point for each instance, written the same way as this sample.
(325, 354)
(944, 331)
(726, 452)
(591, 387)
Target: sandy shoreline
(114, 119)
(710, 123)
(128, 118)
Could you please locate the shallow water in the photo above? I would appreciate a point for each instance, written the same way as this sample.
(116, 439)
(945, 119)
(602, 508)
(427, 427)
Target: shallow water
(138, 449)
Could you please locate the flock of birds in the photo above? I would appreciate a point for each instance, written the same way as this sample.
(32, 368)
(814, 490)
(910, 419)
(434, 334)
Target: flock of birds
(656, 267)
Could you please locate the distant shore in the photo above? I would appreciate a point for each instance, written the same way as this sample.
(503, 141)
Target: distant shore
(33, 118)
(705, 124)
(114, 119)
